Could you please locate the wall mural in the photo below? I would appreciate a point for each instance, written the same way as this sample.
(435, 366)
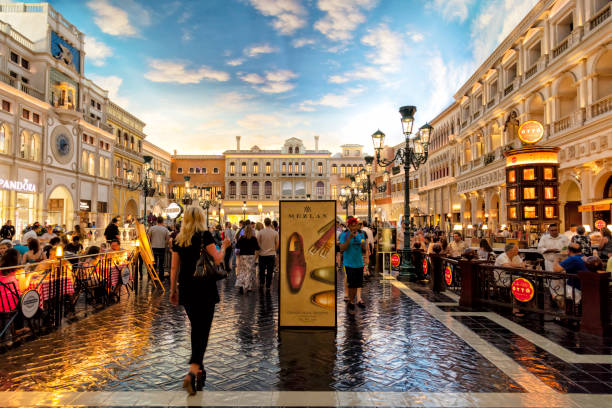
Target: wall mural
(61, 50)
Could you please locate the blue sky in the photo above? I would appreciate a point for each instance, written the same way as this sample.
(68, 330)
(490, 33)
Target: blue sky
(201, 72)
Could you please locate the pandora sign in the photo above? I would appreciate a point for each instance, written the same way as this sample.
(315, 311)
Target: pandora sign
(24, 185)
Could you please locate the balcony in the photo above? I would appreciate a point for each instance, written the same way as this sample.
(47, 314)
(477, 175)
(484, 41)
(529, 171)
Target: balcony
(98, 123)
(491, 103)
(508, 89)
(600, 17)
(569, 42)
(9, 80)
(569, 122)
(476, 115)
(601, 106)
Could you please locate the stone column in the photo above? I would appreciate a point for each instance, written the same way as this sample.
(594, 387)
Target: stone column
(502, 215)
(586, 187)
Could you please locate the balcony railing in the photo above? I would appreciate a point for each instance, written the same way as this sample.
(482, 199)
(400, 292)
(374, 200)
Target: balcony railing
(491, 103)
(572, 39)
(476, 114)
(568, 122)
(508, 89)
(601, 106)
(531, 71)
(9, 80)
(599, 18)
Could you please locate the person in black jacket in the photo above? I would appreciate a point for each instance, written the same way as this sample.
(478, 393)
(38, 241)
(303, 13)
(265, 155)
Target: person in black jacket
(7, 231)
(197, 295)
(112, 231)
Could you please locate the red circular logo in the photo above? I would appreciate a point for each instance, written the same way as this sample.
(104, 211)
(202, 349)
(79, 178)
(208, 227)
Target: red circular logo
(395, 260)
(448, 275)
(522, 290)
(425, 266)
(531, 132)
(600, 224)
(513, 159)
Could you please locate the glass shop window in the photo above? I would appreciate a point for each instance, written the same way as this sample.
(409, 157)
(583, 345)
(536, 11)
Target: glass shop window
(512, 212)
(512, 176)
(529, 174)
(549, 211)
(549, 193)
(549, 173)
(512, 194)
(529, 193)
(530, 212)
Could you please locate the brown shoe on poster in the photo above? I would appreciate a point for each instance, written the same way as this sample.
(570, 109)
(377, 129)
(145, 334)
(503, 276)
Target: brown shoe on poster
(296, 262)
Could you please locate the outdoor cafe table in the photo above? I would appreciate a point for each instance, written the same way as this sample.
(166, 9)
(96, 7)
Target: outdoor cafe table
(45, 291)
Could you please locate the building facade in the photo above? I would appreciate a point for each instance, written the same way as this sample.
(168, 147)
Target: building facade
(348, 162)
(554, 67)
(161, 162)
(55, 151)
(129, 136)
(256, 179)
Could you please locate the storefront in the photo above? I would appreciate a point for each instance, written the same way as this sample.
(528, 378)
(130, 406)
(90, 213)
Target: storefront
(19, 203)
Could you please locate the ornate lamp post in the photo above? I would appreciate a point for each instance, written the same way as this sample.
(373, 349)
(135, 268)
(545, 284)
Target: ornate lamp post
(209, 201)
(187, 194)
(350, 194)
(366, 185)
(414, 153)
(146, 183)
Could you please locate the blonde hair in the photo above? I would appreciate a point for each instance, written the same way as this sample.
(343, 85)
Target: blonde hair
(193, 220)
(248, 232)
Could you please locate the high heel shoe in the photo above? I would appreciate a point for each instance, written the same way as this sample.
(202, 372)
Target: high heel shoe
(201, 380)
(189, 383)
(296, 262)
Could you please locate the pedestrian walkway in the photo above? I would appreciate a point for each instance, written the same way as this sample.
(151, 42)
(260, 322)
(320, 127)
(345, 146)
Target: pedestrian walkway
(409, 347)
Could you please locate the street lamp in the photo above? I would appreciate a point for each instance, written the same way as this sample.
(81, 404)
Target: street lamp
(187, 194)
(244, 209)
(366, 185)
(146, 184)
(209, 201)
(414, 153)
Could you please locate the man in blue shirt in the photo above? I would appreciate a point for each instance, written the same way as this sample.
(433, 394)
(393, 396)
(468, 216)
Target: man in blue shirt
(572, 265)
(352, 243)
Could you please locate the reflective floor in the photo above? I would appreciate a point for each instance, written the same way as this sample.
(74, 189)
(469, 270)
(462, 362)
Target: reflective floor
(405, 348)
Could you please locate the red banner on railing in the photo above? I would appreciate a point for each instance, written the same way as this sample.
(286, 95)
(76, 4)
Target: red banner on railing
(522, 290)
(448, 275)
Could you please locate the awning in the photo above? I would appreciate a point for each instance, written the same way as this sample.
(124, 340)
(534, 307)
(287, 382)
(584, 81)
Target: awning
(601, 205)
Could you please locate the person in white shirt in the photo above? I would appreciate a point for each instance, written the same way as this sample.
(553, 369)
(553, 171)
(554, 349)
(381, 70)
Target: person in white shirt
(33, 233)
(508, 258)
(159, 236)
(551, 245)
(268, 245)
(571, 232)
(46, 237)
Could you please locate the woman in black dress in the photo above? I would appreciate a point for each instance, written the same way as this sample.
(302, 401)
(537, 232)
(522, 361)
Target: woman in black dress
(198, 296)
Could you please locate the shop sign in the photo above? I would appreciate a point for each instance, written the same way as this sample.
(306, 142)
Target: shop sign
(600, 224)
(522, 290)
(425, 266)
(16, 185)
(85, 205)
(531, 132)
(173, 210)
(30, 302)
(395, 260)
(593, 207)
(448, 275)
(532, 158)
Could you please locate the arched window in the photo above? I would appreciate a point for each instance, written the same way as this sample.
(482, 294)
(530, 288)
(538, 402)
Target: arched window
(91, 164)
(119, 136)
(290, 167)
(118, 168)
(255, 188)
(23, 144)
(467, 151)
(268, 167)
(320, 167)
(34, 152)
(303, 167)
(84, 161)
(140, 146)
(232, 168)
(297, 167)
(290, 150)
(232, 187)
(297, 150)
(132, 143)
(342, 171)
(126, 138)
(479, 146)
(334, 169)
(243, 168)
(244, 188)
(255, 168)
(320, 188)
(284, 167)
(268, 188)
(5, 139)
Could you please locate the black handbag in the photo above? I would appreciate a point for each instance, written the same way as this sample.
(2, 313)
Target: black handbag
(206, 268)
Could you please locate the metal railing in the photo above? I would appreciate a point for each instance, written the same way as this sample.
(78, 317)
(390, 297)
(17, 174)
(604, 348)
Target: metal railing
(601, 106)
(36, 298)
(602, 16)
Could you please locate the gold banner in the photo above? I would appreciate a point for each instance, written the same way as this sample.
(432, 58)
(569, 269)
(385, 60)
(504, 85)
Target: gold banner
(307, 264)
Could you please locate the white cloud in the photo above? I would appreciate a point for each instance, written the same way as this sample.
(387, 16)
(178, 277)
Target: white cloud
(235, 62)
(452, 9)
(170, 71)
(494, 23)
(259, 121)
(111, 84)
(256, 50)
(288, 15)
(416, 37)
(388, 51)
(272, 81)
(302, 42)
(111, 19)
(342, 17)
(97, 52)
(331, 100)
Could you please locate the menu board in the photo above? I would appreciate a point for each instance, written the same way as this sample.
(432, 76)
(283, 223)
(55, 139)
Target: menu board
(307, 264)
